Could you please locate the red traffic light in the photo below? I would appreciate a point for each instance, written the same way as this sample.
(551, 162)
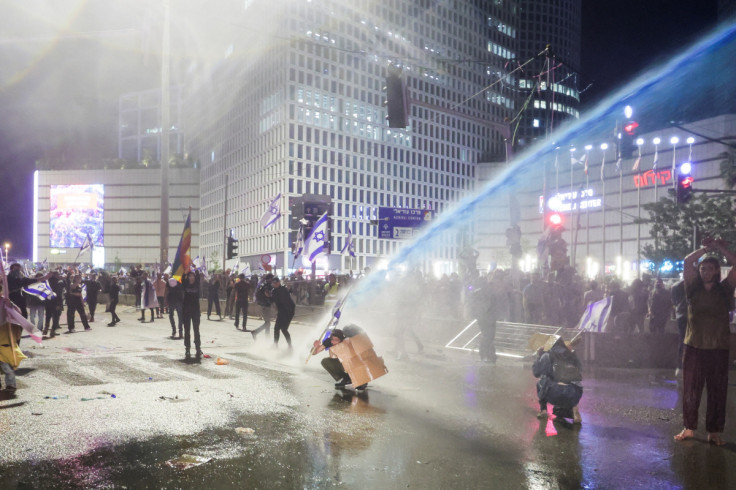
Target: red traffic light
(687, 181)
(555, 219)
(631, 127)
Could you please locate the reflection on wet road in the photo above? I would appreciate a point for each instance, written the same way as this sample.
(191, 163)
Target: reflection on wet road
(266, 421)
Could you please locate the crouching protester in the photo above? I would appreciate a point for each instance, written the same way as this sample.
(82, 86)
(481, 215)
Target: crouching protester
(332, 364)
(560, 373)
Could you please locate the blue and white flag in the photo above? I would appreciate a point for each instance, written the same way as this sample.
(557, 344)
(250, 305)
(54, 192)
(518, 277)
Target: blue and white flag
(272, 214)
(41, 290)
(349, 244)
(168, 269)
(87, 245)
(123, 271)
(196, 263)
(299, 243)
(656, 159)
(45, 265)
(84, 293)
(203, 269)
(596, 315)
(317, 239)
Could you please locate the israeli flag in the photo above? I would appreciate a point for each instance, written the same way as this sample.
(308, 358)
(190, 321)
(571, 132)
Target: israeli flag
(84, 293)
(317, 239)
(349, 244)
(41, 290)
(168, 269)
(596, 315)
(272, 214)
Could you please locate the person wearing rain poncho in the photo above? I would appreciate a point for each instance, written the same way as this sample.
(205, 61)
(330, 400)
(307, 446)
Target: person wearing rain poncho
(560, 373)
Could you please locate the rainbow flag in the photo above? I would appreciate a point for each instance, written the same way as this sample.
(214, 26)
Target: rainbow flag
(183, 260)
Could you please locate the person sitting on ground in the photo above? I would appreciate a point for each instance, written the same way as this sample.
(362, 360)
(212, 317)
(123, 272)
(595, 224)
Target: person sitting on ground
(560, 373)
(332, 364)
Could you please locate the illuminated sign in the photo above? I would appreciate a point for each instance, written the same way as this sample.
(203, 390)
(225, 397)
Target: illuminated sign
(650, 177)
(564, 202)
(402, 223)
(76, 211)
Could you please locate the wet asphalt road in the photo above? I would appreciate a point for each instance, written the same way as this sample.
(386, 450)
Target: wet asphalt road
(437, 420)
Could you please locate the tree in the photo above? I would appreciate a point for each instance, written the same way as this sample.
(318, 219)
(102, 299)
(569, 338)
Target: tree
(675, 227)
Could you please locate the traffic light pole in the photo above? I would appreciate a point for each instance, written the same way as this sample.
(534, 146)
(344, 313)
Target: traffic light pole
(224, 229)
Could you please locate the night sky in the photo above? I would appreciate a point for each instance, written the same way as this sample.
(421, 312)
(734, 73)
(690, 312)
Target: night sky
(58, 109)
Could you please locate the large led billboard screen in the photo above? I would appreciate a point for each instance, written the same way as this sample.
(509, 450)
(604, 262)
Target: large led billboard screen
(76, 211)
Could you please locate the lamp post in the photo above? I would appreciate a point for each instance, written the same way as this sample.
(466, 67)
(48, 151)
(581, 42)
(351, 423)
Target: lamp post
(6, 246)
(604, 147)
(639, 142)
(674, 140)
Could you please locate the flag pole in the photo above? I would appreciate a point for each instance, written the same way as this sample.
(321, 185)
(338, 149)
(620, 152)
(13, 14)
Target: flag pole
(334, 319)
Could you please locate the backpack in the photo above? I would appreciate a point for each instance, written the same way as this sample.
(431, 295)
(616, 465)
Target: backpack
(565, 370)
(261, 297)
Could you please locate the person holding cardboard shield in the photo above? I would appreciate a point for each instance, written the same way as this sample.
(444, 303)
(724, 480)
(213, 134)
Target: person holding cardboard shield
(332, 364)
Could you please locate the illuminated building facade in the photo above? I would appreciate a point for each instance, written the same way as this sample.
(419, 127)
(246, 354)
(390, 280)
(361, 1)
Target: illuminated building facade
(301, 111)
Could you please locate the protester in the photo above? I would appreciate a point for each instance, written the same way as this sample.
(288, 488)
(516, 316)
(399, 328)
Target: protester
(332, 364)
(660, 307)
(534, 303)
(285, 309)
(174, 297)
(707, 339)
(229, 294)
(93, 288)
(114, 294)
(242, 293)
(160, 287)
(560, 373)
(36, 306)
(639, 305)
(75, 303)
(148, 297)
(263, 298)
(331, 287)
(54, 306)
(593, 295)
(213, 296)
(190, 308)
(16, 283)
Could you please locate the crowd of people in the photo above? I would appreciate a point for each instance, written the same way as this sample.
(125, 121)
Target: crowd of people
(700, 303)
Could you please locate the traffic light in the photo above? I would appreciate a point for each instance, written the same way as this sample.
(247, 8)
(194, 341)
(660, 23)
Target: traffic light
(684, 191)
(232, 247)
(397, 102)
(628, 139)
(554, 221)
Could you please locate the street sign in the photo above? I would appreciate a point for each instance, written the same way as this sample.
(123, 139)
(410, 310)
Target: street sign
(402, 223)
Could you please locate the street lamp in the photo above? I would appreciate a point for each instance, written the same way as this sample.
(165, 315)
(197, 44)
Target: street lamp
(6, 245)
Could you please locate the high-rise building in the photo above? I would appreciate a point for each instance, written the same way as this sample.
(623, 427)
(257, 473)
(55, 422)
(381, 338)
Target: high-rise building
(139, 127)
(549, 33)
(298, 109)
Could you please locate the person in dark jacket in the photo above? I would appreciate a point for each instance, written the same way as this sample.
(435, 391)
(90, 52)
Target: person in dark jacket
(285, 309)
(54, 306)
(242, 293)
(16, 282)
(555, 386)
(191, 311)
(114, 293)
(213, 296)
(174, 297)
(263, 298)
(660, 307)
(75, 303)
(93, 289)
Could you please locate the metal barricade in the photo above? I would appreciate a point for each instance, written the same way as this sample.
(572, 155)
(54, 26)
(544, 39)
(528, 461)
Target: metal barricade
(511, 338)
